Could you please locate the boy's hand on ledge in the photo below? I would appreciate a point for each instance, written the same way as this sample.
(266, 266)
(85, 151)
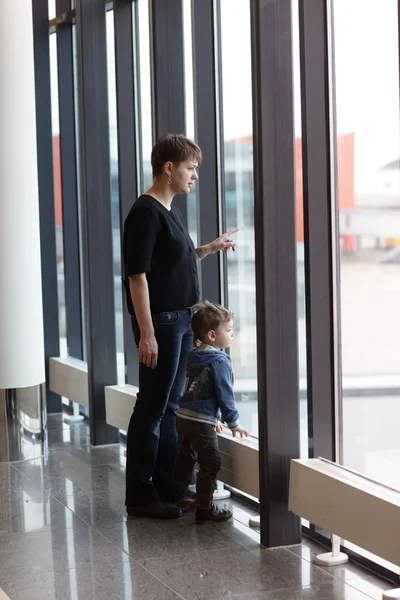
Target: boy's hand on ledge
(241, 431)
(219, 427)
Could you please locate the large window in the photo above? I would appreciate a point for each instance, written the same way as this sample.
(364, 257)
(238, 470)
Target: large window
(58, 195)
(52, 9)
(239, 199)
(144, 104)
(189, 110)
(367, 105)
(78, 178)
(116, 228)
(301, 300)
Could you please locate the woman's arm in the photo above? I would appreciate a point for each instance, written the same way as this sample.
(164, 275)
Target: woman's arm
(148, 348)
(223, 242)
(202, 252)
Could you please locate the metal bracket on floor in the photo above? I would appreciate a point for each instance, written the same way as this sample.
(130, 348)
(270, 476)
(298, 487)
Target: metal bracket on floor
(221, 493)
(391, 594)
(75, 417)
(331, 559)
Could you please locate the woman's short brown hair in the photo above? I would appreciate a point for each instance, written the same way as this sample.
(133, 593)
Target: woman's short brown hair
(208, 317)
(175, 148)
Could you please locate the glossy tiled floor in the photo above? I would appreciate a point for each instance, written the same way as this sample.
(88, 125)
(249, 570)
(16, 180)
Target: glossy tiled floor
(64, 536)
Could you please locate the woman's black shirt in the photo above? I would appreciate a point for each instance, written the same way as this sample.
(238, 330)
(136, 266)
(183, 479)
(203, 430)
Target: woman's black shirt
(156, 242)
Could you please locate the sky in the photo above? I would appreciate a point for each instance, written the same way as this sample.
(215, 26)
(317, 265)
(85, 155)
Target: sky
(366, 70)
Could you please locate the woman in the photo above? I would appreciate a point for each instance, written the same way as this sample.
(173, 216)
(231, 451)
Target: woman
(161, 268)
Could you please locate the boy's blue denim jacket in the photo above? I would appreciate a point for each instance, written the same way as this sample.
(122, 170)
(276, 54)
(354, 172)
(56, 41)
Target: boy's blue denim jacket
(209, 388)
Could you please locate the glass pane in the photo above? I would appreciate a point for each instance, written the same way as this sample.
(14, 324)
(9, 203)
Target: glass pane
(190, 118)
(144, 109)
(52, 9)
(116, 229)
(188, 58)
(78, 178)
(300, 235)
(368, 148)
(239, 200)
(58, 199)
(57, 193)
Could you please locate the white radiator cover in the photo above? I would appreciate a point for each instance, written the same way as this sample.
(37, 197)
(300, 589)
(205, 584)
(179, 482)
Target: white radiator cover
(348, 505)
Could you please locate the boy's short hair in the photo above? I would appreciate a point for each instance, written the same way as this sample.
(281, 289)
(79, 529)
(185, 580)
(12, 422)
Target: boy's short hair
(207, 317)
(174, 148)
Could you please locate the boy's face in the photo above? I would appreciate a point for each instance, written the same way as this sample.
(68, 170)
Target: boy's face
(223, 336)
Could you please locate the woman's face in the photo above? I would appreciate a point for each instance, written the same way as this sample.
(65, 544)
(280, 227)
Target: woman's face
(183, 175)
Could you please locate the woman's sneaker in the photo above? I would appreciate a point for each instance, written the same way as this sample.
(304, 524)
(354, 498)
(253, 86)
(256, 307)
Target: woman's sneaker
(185, 499)
(212, 514)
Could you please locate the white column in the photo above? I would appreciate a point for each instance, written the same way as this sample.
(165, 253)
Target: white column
(21, 318)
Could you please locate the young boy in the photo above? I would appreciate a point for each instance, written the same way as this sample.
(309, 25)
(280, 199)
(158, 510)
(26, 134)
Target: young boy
(208, 394)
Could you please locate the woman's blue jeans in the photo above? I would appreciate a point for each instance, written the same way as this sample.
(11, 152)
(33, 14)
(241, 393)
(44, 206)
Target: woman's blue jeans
(152, 442)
